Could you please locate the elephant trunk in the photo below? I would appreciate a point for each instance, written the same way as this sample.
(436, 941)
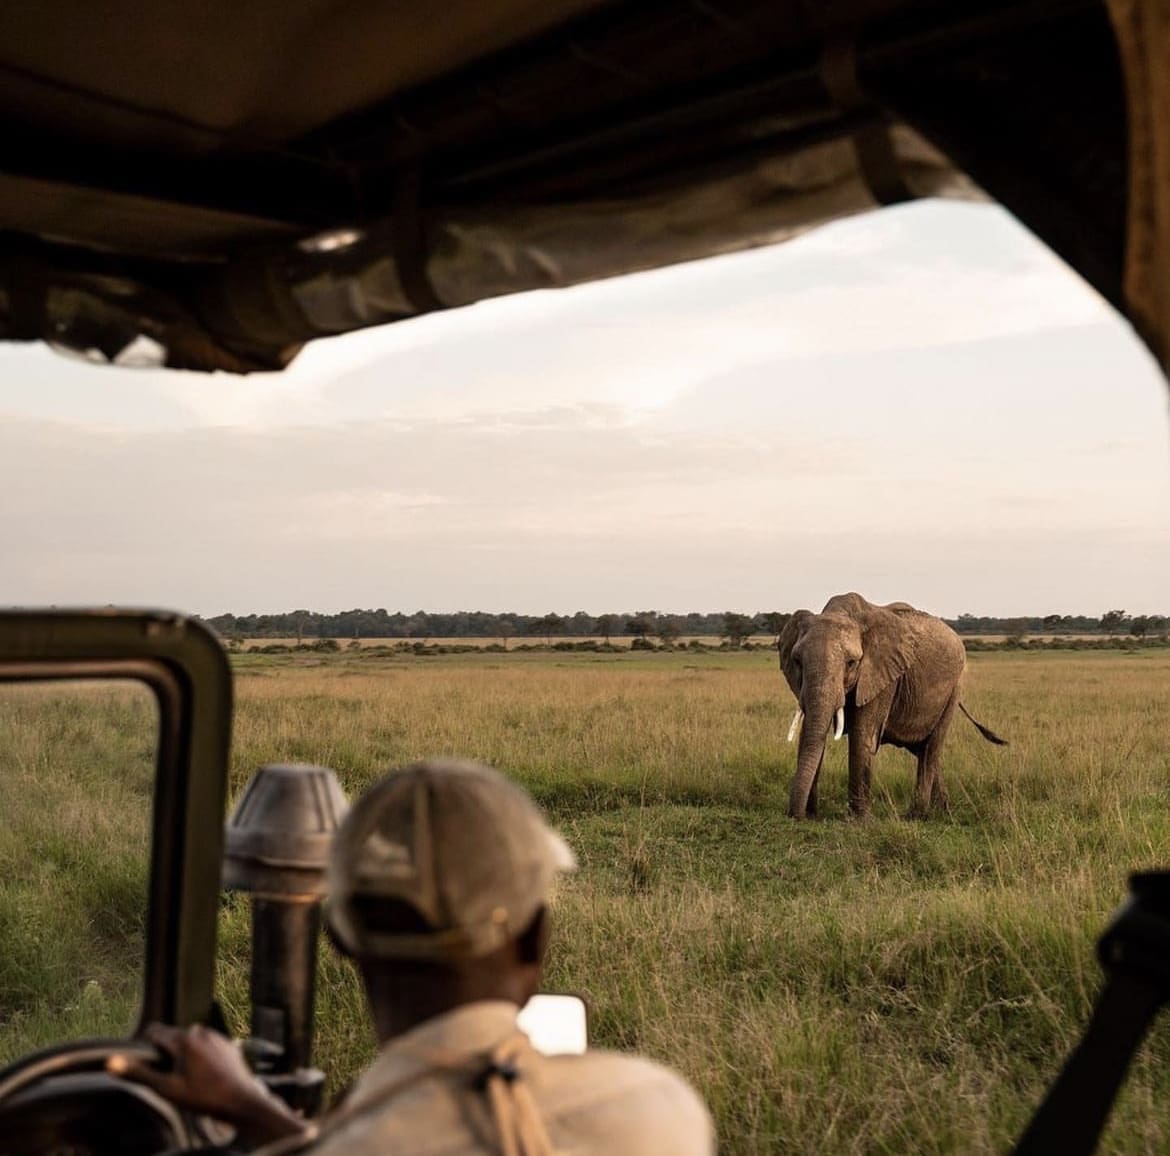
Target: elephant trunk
(813, 736)
(839, 725)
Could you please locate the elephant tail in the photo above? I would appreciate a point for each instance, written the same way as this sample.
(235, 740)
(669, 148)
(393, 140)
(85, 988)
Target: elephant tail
(989, 735)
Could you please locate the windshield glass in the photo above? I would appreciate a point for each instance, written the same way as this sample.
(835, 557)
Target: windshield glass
(76, 780)
(563, 532)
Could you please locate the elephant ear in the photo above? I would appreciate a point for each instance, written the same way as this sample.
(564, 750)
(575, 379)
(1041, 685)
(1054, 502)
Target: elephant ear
(888, 646)
(789, 636)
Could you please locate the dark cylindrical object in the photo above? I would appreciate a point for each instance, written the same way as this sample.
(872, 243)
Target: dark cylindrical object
(284, 973)
(277, 844)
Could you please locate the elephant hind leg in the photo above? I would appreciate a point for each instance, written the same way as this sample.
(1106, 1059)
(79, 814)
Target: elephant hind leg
(929, 791)
(923, 787)
(939, 799)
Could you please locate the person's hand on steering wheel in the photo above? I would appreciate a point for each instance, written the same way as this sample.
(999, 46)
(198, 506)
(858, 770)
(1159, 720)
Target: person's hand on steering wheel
(210, 1078)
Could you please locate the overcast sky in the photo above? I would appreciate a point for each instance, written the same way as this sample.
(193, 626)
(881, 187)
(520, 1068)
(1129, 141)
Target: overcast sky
(920, 404)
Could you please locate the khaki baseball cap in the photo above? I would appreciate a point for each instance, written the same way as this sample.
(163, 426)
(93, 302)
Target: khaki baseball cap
(458, 842)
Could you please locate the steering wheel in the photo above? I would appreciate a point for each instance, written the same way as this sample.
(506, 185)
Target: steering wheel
(63, 1095)
(60, 1059)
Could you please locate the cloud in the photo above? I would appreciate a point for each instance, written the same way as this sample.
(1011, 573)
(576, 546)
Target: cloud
(575, 506)
(919, 404)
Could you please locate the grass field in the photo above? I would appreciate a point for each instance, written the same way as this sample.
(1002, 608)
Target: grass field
(877, 987)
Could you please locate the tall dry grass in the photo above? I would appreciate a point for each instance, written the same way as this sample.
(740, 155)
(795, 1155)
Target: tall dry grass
(886, 986)
(76, 775)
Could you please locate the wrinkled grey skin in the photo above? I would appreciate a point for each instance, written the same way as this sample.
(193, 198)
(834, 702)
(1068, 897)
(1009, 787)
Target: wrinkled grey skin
(895, 670)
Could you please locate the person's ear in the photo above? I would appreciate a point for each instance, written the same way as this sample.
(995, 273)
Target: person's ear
(532, 942)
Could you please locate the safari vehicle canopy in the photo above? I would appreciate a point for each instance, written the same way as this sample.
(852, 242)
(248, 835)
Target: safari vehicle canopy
(230, 182)
(215, 184)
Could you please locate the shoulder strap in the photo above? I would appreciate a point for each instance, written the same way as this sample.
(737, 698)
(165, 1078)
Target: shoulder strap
(496, 1073)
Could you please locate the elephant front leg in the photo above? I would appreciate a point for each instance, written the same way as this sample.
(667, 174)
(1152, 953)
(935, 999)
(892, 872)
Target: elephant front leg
(811, 808)
(860, 763)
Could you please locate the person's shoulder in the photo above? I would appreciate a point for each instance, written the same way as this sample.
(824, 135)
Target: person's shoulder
(621, 1068)
(638, 1105)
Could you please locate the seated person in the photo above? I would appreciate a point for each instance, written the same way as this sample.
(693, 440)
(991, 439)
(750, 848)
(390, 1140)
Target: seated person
(437, 888)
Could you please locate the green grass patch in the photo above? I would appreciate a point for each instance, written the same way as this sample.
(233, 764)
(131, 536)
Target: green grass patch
(884, 986)
(76, 776)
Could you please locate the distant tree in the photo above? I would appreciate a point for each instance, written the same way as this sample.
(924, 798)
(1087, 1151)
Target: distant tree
(667, 629)
(604, 626)
(1112, 621)
(581, 624)
(1139, 625)
(774, 622)
(1016, 630)
(737, 628)
(548, 625)
(300, 621)
(481, 624)
(641, 624)
(505, 628)
(1052, 622)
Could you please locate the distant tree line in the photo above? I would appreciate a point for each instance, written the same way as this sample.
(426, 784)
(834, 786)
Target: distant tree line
(642, 625)
(1112, 623)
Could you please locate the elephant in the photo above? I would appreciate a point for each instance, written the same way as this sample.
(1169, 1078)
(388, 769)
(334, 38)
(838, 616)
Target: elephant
(881, 674)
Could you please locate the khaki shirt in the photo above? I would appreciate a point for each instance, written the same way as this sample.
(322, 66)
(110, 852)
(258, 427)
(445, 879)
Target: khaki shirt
(599, 1103)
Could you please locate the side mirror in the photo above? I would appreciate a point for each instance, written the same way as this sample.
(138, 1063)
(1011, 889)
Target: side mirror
(557, 1025)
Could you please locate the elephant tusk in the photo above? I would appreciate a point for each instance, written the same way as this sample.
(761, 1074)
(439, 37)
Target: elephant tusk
(839, 724)
(796, 720)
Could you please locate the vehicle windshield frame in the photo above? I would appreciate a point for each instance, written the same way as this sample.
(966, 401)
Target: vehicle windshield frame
(186, 670)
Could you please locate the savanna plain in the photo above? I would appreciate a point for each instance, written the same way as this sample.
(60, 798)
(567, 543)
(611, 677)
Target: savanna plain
(831, 986)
